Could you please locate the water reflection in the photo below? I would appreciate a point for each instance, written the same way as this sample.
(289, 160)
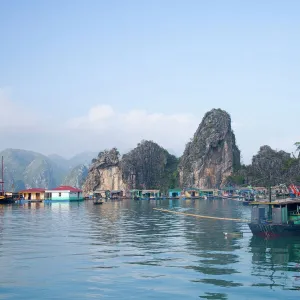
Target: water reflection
(125, 249)
(215, 296)
(276, 262)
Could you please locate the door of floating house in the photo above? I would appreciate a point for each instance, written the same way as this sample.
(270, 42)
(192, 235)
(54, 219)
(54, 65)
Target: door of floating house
(174, 193)
(146, 194)
(135, 194)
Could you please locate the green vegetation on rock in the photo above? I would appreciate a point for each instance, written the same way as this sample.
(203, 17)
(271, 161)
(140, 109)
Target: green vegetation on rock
(149, 166)
(268, 167)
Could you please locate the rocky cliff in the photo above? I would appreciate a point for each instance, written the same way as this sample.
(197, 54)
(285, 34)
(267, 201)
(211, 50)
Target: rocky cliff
(211, 155)
(105, 173)
(149, 166)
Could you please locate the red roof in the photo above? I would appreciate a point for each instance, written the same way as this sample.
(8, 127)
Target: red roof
(34, 190)
(66, 188)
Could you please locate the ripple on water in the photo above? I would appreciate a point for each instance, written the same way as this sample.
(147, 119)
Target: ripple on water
(126, 250)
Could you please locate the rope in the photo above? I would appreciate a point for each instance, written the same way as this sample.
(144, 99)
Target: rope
(200, 216)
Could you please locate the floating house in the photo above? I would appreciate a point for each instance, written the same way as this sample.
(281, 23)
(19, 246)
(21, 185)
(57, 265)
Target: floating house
(33, 194)
(150, 194)
(192, 193)
(229, 190)
(64, 193)
(174, 193)
(209, 193)
(135, 194)
(101, 194)
(116, 194)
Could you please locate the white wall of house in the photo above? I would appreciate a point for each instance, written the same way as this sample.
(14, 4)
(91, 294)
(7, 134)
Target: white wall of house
(75, 195)
(64, 195)
(59, 195)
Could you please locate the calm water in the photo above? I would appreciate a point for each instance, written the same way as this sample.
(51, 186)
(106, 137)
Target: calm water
(127, 250)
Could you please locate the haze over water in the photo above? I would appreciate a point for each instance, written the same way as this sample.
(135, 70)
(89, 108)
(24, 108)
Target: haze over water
(127, 250)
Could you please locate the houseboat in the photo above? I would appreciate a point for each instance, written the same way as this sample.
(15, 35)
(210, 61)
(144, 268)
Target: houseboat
(116, 194)
(33, 195)
(275, 218)
(229, 192)
(100, 194)
(8, 198)
(210, 194)
(150, 194)
(174, 193)
(64, 193)
(247, 195)
(192, 193)
(135, 194)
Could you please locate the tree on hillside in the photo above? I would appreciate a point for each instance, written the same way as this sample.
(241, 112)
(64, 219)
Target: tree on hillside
(297, 144)
(270, 165)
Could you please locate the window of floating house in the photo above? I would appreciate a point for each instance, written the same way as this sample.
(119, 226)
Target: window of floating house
(59, 194)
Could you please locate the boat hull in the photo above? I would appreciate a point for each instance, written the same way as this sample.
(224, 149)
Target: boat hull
(8, 200)
(245, 202)
(274, 230)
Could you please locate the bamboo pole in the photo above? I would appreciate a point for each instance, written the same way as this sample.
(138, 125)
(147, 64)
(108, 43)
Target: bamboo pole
(200, 216)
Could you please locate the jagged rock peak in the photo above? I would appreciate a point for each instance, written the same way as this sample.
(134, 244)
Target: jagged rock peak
(105, 172)
(211, 155)
(106, 158)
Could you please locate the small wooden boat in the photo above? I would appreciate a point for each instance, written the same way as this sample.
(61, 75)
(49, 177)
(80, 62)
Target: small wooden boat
(6, 200)
(275, 218)
(98, 202)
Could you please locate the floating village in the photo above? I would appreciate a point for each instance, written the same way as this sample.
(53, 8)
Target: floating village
(275, 210)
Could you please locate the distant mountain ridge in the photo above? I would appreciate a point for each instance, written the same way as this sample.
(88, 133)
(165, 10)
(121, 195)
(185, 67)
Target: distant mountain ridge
(76, 177)
(28, 169)
(83, 158)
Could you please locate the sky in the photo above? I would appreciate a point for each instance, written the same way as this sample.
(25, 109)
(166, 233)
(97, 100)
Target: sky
(88, 75)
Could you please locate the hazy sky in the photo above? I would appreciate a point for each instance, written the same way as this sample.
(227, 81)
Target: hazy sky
(89, 75)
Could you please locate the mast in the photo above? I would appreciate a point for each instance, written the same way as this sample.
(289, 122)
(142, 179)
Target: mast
(270, 198)
(2, 179)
